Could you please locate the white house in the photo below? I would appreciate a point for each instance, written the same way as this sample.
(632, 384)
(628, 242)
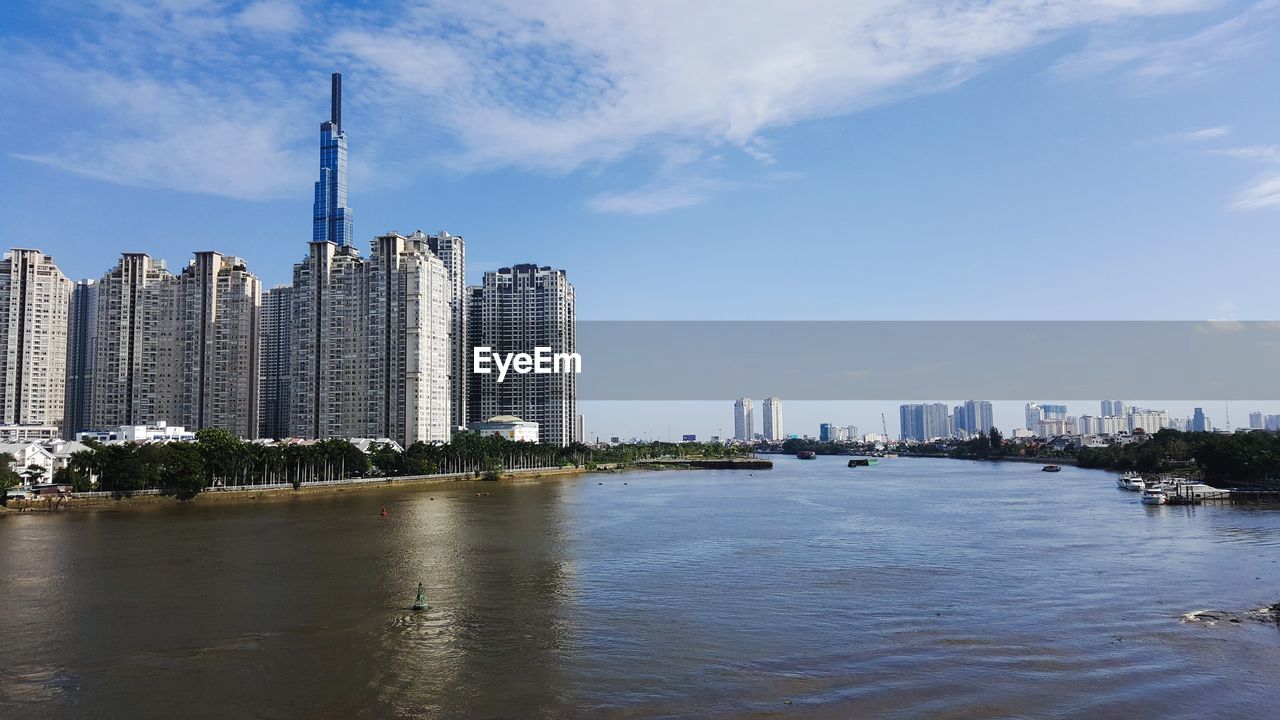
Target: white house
(507, 426)
(27, 454)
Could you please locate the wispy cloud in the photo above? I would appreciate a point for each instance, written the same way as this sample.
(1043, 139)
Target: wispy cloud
(1178, 59)
(194, 96)
(1264, 191)
(1209, 133)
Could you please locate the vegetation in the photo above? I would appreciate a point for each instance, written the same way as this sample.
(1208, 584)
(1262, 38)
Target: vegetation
(8, 480)
(218, 458)
(1251, 458)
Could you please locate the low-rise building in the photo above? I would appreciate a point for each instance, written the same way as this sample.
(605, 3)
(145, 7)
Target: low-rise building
(507, 426)
(24, 456)
(27, 433)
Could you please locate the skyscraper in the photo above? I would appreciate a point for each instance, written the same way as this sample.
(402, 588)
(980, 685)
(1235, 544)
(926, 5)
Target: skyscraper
(134, 360)
(34, 300)
(517, 309)
(217, 307)
(82, 331)
(1200, 422)
(772, 410)
(1112, 408)
(978, 417)
(410, 342)
(743, 420)
(922, 422)
(1034, 414)
(331, 219)
(328, 391)
(274, 369)
(452, 251)
(1255, 421)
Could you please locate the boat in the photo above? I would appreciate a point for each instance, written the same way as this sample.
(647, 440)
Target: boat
(1134, 481)
(1154, 496)
(420, 603)
(1052, 468)
(861, 462)
(806, 455)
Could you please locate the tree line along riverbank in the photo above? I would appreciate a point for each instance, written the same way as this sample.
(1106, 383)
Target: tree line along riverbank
(218, 460)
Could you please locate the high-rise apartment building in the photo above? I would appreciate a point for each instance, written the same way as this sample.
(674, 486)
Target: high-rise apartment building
(217, 307)
(82, 331)
(452, 251)
(1113, 408)
(772, 411)
(1200, 422)
(922, 422)
(743, 420)
(274, 369)
(331, 218)
(1255, 421)
(177, 349)
(35, 298)
(328, 393)
(978, 417)
(134, 333)
(410, 341)
(518, 309)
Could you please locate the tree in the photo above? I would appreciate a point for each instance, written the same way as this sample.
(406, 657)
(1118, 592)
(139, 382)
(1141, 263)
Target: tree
(184, 469)
(70, 476)
(8, 480)
(995, 439)
(34, 474)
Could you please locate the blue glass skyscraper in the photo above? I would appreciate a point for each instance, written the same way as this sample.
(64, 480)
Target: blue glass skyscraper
(330, 217)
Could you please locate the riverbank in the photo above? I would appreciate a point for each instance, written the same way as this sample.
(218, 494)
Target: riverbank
(106, 502)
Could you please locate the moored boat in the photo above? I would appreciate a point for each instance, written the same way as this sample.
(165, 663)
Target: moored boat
(1134, 482)
(1154, 496)
(806, 455)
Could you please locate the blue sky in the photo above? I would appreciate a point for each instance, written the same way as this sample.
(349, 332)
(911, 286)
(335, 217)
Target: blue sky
(882, 159)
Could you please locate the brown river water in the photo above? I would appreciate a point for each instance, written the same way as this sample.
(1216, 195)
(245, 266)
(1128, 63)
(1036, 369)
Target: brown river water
(915, 588)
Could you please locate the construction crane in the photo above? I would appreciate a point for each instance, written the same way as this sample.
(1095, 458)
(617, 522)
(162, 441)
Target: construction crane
(884, 428)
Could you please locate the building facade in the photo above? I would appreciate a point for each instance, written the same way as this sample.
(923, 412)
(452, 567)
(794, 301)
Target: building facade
(923, 421)
(218, 305)
(82, 332)
(743, 420)
(410, 341)
(516, 310)
(276, 323)
(35, 298)
(771, 409)
(452, 251)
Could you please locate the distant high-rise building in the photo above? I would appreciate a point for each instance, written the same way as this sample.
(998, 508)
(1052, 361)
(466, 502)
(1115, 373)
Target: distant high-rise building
(978, 417)
(1034, 414)
(452, 251)
(1271, 422)
(274, 368)
(923, 422)
(35, 298)
(743, 420)
(1054, 412)
(772, 411)
(331, 218)
(82, 330)
(1149, 421)
(959, 420)
(518, 309)
(1112, 408)
(1200, 422)
(828, 432)
(1255, 421)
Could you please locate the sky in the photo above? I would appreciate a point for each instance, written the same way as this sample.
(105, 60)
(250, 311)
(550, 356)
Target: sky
(999, 159)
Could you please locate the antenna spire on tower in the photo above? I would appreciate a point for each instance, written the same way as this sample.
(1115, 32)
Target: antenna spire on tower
(335, 102)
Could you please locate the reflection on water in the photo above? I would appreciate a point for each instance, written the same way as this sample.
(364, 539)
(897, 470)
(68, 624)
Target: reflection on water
(913, 588)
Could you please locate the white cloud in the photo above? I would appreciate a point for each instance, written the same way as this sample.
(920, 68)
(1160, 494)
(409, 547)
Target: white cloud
(192, 97)
(1209, 133)
(1180, 59)
(1264, 191)
(271, 16)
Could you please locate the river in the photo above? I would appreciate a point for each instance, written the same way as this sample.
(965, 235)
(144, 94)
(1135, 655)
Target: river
(914, 588)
